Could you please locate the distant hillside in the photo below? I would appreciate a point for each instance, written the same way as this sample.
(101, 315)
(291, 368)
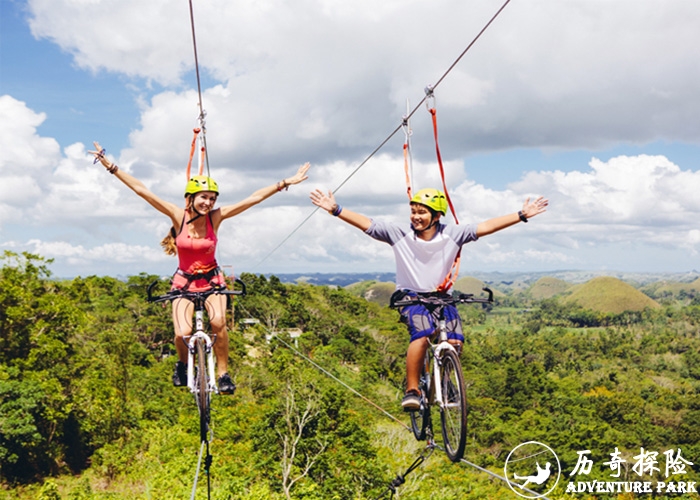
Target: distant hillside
(546, 288)
(469, 284)
(378, 292)
(338, 279)
(504, 281)
(610, 295)
(672, 290)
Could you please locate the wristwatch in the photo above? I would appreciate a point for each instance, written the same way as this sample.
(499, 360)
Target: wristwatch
(522, 216)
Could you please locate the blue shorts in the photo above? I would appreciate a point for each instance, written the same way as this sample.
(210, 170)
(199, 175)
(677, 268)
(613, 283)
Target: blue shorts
(422, 322)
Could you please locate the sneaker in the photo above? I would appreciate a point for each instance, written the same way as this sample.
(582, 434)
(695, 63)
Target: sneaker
(180, 374)
(411, 401)
(226, 385)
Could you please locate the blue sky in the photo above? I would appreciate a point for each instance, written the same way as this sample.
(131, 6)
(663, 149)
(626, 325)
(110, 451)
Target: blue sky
(591, 103)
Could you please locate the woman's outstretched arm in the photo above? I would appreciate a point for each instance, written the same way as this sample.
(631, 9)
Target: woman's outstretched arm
(264, 193)
(165, 207)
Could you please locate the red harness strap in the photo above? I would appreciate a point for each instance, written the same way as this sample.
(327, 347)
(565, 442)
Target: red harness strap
(439, 158)
(194, 143)
(454, 270)
(405, 167)
(452, 275)
(407, 163)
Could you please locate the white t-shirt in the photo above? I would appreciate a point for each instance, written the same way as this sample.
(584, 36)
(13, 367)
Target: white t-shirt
(421, 266)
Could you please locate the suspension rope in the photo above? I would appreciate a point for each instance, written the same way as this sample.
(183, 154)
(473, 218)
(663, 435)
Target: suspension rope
(202, 113)
(407, 154)
(401, 478)
(430, 104)
(497, 476)
(207, 465)
(391, 135)
(320, 368)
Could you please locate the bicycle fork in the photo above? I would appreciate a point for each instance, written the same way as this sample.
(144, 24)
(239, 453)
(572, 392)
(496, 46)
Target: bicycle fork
(191, 347)
(437, 363)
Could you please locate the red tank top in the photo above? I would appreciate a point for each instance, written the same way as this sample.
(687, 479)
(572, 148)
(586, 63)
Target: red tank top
(196, 255)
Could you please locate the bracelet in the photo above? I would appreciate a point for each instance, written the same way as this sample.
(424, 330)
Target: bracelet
(282, 185)
(335, 212)
(99, 156)
(521, 216)
(112, 169)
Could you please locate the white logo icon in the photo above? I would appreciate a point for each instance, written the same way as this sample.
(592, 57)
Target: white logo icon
(532, 470)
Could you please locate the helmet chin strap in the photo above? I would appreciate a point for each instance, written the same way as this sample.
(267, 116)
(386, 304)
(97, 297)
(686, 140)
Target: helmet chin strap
(195, 217)
(195, 211)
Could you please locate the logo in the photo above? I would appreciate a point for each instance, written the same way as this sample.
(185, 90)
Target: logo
(532, 470)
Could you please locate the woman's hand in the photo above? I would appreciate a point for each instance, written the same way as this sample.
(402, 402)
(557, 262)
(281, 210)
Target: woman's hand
(323, 200)
(100, 155)
(300, 176)
(536, 207)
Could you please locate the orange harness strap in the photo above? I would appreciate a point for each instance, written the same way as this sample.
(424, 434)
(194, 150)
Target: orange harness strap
(452, 275)
(407, 163)
(194, 143)
(454, 270)
(405, 167)
(439, 158)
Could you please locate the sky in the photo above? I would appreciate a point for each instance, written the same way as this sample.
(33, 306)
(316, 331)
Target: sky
(593, 104)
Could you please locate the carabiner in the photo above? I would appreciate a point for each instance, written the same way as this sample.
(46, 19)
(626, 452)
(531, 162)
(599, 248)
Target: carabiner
(429, 97)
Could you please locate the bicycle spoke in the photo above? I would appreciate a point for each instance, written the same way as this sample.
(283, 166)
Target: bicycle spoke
(453, 412)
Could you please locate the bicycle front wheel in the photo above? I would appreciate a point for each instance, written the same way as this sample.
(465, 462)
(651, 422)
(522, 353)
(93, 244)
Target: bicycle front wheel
(202, 389)
(453, 412)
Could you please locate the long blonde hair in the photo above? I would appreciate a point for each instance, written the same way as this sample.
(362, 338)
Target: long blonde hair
(168, 243)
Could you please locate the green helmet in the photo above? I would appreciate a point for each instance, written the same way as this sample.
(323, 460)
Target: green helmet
(431, 198)
(200, 183)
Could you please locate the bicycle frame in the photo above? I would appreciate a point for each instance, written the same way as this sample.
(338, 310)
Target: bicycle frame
(436, 350)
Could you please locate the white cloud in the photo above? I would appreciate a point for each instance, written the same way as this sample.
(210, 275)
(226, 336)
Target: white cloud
(329, 80)
(326, 81)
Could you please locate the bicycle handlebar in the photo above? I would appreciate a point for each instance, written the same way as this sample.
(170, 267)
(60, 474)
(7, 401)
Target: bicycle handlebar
(185, 294)
(443, 300)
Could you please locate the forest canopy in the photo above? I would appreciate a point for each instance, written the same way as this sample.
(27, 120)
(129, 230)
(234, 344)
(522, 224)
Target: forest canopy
(87, 408)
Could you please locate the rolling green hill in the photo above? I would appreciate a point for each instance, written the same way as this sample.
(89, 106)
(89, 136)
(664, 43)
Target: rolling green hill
(378, 292)
(547, 287)
(610, 295)
(673, 290)
(469, 284)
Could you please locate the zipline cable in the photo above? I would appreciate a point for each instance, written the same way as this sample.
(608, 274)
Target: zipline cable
(207, 462)
(497, 476)
(329, 374)
(392, 134)
(202, 113)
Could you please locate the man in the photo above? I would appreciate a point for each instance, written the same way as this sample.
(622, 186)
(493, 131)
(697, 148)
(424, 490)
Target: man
(424, 254)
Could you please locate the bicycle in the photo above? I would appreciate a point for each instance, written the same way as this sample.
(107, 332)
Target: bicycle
(201, 380)
(445, 387)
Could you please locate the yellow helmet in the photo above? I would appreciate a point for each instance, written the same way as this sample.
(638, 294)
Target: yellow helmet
(431, 198)
(200, 183)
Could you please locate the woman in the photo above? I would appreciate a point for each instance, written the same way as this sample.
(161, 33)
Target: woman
(424, 254)
(193, 237)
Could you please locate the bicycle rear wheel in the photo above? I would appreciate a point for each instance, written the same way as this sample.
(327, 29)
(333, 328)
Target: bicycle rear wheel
(202, 389)
(420, 419)
(453, 412)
